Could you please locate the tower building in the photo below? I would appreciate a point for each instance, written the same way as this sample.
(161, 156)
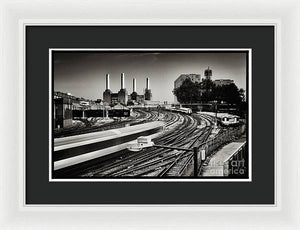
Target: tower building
(148, 94)
(134, 93)
(122, 94)
(208, 73)
(107, 93)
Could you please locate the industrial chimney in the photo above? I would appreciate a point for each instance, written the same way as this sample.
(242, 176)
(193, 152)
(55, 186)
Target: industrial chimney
(148, 94)
(122, 94)
(122, 81)
(147, 83)
(107, 93)
(107, 81)
(134, 85)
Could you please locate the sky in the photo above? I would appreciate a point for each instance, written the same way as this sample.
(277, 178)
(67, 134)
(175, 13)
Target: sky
(83, 73)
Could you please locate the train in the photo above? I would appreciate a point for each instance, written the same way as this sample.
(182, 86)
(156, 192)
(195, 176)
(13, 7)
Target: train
(180, 110)
(73, 150)
(224, 119)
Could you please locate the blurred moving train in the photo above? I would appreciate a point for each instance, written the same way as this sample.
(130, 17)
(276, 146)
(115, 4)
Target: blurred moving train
(73, 150)
(224, 119)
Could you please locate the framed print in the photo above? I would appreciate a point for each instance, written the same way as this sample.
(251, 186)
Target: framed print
(61, 57)
(192, 128)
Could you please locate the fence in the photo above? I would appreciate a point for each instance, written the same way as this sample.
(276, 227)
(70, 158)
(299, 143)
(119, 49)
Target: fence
(207, 148)
(236, 162)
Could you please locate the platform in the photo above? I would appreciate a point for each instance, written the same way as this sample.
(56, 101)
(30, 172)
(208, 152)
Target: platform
(215, 166)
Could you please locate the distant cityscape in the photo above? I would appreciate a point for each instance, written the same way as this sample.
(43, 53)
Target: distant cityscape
(66, 103)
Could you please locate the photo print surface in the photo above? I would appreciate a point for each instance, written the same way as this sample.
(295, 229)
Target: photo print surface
(150, 114)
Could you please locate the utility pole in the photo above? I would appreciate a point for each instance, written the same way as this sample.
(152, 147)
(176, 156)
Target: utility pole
(216, 111)
(195, 150)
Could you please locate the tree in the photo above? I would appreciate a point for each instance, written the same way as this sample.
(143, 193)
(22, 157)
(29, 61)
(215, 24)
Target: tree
(207, 84)
(207, 88)
(242, 94)
(188, 92)
(227, 93)
(207, 91)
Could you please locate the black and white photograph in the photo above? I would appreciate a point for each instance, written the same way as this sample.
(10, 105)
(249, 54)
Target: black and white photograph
(150, 114)
(130, 115)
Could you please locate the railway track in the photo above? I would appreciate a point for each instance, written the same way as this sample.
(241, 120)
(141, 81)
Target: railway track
(130, 156)
(158, 162)
(174, 162)
(177, 169)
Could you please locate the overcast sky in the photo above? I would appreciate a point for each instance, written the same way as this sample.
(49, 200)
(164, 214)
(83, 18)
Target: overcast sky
(83, 73)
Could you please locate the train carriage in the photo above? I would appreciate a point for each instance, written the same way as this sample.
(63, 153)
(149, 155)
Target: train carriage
(180, 110)
(228, 120)
(224, 119)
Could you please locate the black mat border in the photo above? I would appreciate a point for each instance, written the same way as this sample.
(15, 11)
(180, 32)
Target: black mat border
(40, 38)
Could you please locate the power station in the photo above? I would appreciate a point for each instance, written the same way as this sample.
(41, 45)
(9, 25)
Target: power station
(122, 96)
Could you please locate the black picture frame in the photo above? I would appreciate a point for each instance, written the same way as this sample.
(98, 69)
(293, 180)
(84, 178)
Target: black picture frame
(39, 190)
